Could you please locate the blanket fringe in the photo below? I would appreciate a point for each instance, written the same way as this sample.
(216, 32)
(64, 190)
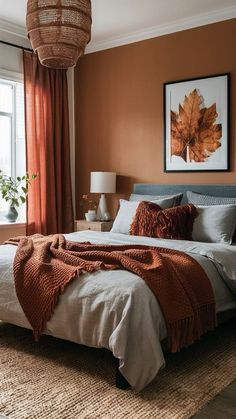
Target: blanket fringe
(184, 332)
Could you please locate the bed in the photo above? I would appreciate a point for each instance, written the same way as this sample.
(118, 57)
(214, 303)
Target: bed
(116, 309)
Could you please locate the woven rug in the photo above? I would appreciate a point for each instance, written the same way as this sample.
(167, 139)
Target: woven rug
(61, 380)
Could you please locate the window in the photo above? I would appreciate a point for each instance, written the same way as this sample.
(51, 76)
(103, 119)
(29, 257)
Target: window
(12, 134)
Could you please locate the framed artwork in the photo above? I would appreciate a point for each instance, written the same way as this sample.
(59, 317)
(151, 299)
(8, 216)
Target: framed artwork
(196, 124)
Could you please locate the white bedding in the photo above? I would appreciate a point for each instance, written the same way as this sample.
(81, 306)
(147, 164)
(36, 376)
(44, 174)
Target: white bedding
(116, 309)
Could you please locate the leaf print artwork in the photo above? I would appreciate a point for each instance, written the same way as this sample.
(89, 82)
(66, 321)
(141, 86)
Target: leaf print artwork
(195, 136)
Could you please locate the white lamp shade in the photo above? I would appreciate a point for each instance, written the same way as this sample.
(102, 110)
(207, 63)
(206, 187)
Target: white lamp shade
(103, 182)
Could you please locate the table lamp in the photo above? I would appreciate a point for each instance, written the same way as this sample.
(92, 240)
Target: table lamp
(103, 182)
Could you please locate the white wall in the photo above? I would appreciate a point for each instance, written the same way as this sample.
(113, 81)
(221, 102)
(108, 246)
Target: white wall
(11, 58)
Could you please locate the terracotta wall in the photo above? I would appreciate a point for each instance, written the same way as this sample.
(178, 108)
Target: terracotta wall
(119, 104)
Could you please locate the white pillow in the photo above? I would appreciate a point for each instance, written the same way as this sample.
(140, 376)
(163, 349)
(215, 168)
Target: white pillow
(215, 224)
(127, 212)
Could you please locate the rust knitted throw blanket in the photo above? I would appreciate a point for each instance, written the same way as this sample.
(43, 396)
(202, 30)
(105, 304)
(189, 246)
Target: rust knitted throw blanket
(43, 266)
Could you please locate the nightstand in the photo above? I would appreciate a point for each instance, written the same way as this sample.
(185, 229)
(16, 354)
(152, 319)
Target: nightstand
(81, 225)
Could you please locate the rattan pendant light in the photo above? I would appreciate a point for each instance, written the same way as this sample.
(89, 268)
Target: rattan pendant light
(59, 30)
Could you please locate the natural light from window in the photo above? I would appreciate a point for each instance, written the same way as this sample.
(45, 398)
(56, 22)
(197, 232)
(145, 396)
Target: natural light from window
(12, 135)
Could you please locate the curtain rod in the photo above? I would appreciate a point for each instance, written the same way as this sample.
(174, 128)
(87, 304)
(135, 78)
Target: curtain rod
(16, 46)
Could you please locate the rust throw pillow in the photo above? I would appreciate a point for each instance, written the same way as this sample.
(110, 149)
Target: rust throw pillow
(172, 223)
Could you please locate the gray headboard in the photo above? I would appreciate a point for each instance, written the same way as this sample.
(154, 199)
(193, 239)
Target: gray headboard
(160, 189)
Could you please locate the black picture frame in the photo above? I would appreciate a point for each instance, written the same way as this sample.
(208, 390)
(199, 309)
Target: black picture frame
(197, 124)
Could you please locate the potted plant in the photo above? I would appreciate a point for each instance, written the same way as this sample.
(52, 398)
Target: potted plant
(14, 191)
(89, 207)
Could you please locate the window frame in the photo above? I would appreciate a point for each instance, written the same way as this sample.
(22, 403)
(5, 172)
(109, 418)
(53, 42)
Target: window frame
(12, 117)
(12, 78)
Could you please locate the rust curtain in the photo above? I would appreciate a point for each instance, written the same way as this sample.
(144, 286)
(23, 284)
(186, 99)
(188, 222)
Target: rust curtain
(49, 204)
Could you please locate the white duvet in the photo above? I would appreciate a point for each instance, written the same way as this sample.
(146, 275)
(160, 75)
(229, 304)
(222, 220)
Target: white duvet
(116, 309)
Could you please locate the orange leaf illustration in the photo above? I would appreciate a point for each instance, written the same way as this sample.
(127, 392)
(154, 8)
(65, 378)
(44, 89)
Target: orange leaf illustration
(194, 134)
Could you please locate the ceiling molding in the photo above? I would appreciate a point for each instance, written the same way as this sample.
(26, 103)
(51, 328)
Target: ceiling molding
(171, 27)
(13, 28)
(148, 33)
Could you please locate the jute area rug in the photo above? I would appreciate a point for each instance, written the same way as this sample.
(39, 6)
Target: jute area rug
(61, 380)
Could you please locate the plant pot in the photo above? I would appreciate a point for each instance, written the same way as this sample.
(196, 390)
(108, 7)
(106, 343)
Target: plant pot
(12, 214)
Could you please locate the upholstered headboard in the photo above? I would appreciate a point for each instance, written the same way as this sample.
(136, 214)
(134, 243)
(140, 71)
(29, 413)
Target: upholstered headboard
(160, 189)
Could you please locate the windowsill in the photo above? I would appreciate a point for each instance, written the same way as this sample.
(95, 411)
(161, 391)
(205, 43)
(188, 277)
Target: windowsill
(8, 225)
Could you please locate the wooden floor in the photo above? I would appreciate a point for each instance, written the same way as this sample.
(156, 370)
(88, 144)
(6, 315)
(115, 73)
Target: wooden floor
(223, 406)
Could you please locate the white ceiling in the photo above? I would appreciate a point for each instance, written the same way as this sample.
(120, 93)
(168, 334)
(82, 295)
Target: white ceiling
(118, 22)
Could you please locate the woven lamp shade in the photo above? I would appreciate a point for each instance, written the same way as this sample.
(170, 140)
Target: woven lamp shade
(59, 30)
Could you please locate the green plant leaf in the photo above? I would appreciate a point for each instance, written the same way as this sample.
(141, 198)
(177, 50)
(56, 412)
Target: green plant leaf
(12, 190)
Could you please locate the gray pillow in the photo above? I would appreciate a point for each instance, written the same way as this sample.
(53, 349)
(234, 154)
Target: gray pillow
(138, 197)
(199, 199)
(215, 224)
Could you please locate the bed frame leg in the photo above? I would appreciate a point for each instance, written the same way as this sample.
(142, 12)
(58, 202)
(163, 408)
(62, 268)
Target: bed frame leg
(121, 382)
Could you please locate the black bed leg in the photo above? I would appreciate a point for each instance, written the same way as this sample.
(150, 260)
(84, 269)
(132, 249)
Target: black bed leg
(121, 382)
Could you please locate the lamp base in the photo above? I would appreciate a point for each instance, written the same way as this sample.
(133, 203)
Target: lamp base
(102, 212)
